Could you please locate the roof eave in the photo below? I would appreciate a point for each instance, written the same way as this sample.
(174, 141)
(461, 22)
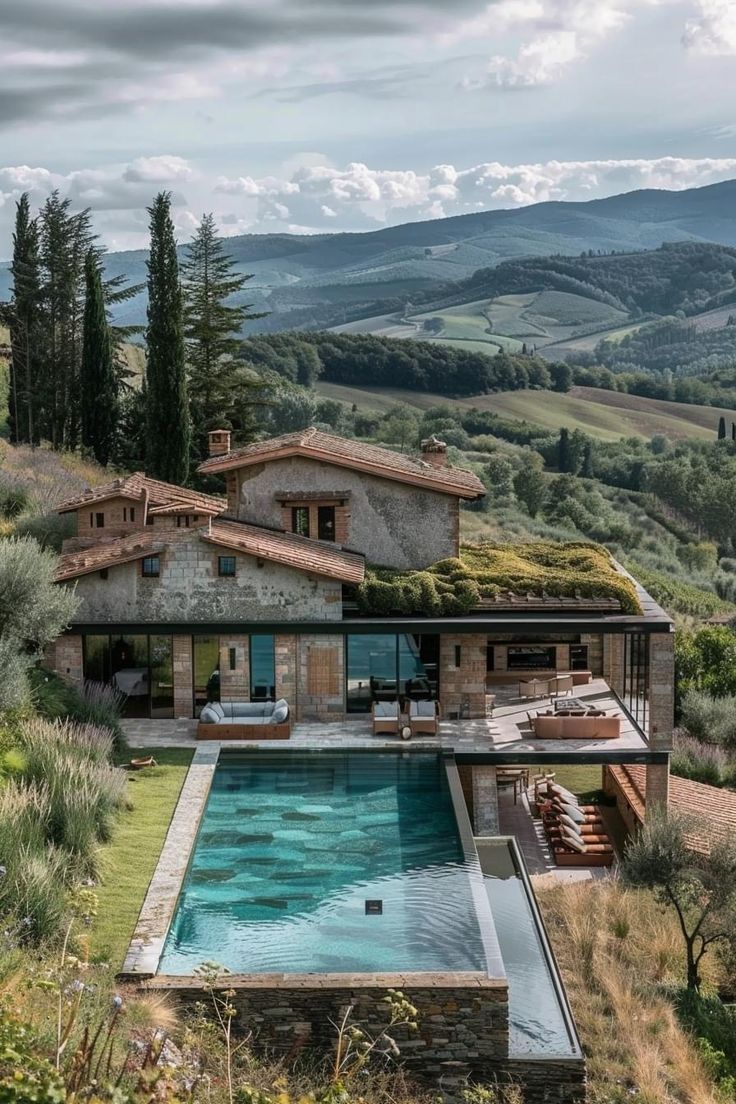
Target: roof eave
(347, 576)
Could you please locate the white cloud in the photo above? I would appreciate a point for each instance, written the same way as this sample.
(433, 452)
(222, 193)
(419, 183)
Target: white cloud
(165, 169)
(713, 30)
(318, 197)
(540, 61)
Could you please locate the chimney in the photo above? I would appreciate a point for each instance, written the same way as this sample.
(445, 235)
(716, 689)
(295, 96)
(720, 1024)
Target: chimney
(434, 452)
(219, 442)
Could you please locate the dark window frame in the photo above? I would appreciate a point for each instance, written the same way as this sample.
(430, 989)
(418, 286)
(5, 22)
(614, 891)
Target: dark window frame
(326, 525)
(297, 513)
(150, 572)
(223, 574)
(99, 519)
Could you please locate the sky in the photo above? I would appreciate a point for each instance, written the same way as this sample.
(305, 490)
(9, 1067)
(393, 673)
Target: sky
(324, 115)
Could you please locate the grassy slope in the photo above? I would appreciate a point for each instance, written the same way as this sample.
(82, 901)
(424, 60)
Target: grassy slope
(129, 860)
(602, 414)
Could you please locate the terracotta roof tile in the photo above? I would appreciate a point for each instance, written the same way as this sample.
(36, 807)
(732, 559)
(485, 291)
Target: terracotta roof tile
(709, 806)
(105, 554)
(136, 486)
(316, 557)
(345, 453)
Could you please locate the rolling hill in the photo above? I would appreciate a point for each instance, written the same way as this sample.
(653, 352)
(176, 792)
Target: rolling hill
(326, 280)
(607, 415)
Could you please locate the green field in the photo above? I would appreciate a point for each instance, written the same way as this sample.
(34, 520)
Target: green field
(604, 414)
(538, 318)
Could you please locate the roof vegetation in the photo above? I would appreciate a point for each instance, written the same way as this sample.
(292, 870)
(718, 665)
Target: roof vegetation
(489, 571)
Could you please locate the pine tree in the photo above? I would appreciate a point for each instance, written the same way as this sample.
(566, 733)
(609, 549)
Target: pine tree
(99, 382)
(168, 429)
(721, 428)
(23, 319)
(563, 450)
(222, 390)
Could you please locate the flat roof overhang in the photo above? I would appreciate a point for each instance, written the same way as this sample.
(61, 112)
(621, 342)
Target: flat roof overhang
(525, 623)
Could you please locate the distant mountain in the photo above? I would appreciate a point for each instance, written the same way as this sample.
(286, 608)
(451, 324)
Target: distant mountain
(328, 279)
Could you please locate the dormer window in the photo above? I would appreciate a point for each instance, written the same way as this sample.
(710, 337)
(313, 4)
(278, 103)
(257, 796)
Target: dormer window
(183, 521)
(128, 513)
(97, 521)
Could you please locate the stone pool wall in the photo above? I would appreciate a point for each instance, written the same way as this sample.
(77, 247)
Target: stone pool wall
(463, 1018)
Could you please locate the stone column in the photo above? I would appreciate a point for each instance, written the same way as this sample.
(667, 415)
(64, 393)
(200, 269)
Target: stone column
(182, 667)
(65, 658)
(321, 676)
(661, 713)
(463, 672)
(485, 801)
(613, 661)
(285, 652)
(235, 679)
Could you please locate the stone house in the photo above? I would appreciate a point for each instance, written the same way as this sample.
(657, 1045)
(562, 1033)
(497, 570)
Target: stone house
(252, 596)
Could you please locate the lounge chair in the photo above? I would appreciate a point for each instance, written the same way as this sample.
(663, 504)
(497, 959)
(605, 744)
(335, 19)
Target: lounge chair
(386, 718)
(423, 717)
(561, 684)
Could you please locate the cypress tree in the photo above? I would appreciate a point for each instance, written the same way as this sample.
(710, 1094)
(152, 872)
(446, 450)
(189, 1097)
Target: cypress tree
(563, 450)
(167, 413)
(222, 389)
(586, 469)
(23, 319)
(99, 384)
(721, 428)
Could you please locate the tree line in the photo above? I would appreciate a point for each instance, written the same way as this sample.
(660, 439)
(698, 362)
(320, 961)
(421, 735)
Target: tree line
(70, 383)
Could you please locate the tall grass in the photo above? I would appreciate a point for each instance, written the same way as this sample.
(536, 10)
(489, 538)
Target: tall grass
(54, 813)
(621, 960)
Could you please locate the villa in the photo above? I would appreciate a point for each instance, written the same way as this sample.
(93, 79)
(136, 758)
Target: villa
(363, 685)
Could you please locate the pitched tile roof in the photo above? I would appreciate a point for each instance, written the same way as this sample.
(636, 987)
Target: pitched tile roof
(710, 807)
(358, 455)
(315, 557)
(137, 486)
(106, 554)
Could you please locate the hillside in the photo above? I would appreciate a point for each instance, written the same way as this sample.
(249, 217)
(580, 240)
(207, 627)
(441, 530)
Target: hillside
(606, 415)
(323, 280)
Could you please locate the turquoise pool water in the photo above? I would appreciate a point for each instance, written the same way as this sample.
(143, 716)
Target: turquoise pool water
(290, 849)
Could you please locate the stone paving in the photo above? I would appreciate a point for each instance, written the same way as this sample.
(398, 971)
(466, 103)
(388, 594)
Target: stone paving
(507, 730)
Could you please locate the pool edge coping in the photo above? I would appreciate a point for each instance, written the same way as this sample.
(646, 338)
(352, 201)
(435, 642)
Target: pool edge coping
(162, 896)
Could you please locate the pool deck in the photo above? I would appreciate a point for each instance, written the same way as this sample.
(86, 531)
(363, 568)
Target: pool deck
(504, 737)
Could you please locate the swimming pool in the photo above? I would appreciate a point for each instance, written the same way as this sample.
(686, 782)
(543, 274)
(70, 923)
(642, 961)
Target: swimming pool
(540, 1022)
(332, 863)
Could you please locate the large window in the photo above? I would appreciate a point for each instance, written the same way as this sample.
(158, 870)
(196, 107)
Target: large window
(139, 666)
(262, 668)
(635, 695)
(206, 670)
(386, 666)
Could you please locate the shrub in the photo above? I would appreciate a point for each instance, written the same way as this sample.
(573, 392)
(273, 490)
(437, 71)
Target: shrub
(714, 1026)
(701, 762)
(711, 720)
(95, 703)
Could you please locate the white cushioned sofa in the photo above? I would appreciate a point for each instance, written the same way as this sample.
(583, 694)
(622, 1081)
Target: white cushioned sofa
(245, 721)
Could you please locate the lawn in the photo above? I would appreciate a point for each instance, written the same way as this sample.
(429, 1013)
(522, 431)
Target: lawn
(580, 780)
(129, 860)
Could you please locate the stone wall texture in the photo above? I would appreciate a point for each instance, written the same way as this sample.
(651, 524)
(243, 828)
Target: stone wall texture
(463, 1018)
(65, 658)
(463, 673)
(189, 589)
(391, 523)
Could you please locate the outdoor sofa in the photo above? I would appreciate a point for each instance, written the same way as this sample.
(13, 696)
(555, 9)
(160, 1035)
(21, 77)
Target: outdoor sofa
(555, 727)
(245, 721)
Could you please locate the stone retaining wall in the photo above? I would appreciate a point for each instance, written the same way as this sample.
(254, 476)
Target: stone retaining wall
(463, 1018)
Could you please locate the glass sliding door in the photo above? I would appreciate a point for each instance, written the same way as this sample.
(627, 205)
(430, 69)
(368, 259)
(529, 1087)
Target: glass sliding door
(206, 670)
(388, 667)
(129, 673)
(262, 668)
(161, 676)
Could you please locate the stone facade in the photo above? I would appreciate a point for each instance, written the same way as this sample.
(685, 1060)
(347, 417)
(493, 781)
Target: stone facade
(120, 516)
(65, 658)
(183, 675)
(463, 673)
(320, 694)
(390, 522)
(189, 589)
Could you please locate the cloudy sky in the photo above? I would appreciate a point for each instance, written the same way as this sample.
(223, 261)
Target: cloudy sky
(313, 115)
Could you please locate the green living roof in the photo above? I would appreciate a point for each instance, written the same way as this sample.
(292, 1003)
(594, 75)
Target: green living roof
(492, 573)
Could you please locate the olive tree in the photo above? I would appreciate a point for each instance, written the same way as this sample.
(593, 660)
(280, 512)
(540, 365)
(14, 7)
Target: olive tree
(699, 887)
(33, 611)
